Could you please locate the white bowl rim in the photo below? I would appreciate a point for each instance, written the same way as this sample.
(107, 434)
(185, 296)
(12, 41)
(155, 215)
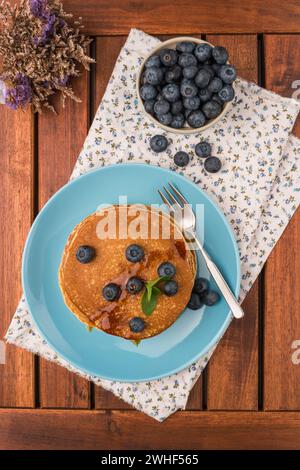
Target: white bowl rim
(183, 130)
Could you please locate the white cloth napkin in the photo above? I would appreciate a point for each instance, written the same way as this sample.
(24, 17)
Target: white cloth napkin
(258, 190)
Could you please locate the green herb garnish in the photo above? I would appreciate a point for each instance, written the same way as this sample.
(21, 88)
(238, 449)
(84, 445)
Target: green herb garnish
(151, 294)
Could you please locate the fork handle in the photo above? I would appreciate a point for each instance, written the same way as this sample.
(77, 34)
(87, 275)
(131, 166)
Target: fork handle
(221, 283)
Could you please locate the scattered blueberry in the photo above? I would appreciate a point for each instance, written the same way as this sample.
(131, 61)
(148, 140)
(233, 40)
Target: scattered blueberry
(148, 92)
(136, 324)
(196, 119)
(111, 292)
(227, 73)
(211, 109)
(203, 52)
(190, 71)
(153, 75)
(215, 97)
(188, 88)
(226, 94)
(168, 57)
(210, 298)
(204, 95)
(165, 119)
(195, 302)
(215, 85)
(220, 54)
(153, 61)
(212, 164)
(203, 149)
(170, 288)
(171, 92)
(202, 78)
(177, 107)
(186, 59)
(181, 158)
(161, 106)
(134, 285)
(158, 143)
(134, 253)
(166, 269)
(191, 103)
(85, 254)
(178, 121)
(201, 285)
(173, 74)
(149, 106)
(185, 46)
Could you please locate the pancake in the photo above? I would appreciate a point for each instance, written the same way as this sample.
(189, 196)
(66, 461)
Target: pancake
(82, 284)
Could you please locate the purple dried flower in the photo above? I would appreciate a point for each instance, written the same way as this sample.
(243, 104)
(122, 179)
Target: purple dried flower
(20, 95)
(48, 28)
(38, 8)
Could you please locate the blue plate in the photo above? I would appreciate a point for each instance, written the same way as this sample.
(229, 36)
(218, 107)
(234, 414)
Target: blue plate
(98, 353)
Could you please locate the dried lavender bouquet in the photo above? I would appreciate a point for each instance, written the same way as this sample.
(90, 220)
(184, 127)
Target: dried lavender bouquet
(41, 49)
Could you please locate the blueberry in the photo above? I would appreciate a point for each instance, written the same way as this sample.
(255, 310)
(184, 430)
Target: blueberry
(210, 298)
(134, 285)
(165, 119)
(149, 106)
(187, 112)
(196, 119)
(134, 253)
(195, 302)
(188, 88)
(226, 94)
(191, 103)
(201, 285)
(185, 46)
(202, 78)
(216, 68)
(204, 95)
(227, 73)
(211, 109)
(220, 54)
(203, 52)
(212, 164)
(171, 92)
(148, 92)
(173, 74)
(215, 97)
(153, 75)
(181, 158)
(178, 121)
(85, 254)
(190, 71)
(170, 288)
(209, 69)
(111, 292)
(158, 143)
(153, 61)
(136, 324)
(168, 57)
(161, 106)
(186, 59)
(215, 85)
(177, 107)
(203, 149)
(166, 269)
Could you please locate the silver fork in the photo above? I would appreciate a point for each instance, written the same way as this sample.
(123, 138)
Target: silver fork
(181, 206)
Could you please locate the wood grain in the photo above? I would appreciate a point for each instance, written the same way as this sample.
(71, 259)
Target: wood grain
(116, 17)
(60, 139)
(16, 214)
(282, 281)
(233, 369)
(108, 430)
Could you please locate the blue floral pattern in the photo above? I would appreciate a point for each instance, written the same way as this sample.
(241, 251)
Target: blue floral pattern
(258, 190)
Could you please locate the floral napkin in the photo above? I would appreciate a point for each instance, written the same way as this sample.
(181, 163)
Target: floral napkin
(258, 190)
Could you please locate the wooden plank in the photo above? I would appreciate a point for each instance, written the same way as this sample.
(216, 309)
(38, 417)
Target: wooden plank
(108, 430)
(233, 369)
(16, 214)
(116, 17)
(282, 321)
(60, 140)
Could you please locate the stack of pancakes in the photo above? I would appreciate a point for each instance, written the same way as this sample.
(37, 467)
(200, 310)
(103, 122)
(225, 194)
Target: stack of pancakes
(82, 284)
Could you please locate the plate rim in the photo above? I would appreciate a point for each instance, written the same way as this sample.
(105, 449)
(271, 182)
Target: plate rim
(25, 284)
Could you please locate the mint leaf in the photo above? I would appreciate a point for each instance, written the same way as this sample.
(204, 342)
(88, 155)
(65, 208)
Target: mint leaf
(151, 294)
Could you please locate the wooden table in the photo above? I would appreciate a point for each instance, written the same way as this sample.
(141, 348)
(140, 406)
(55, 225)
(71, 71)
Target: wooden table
(249, 395)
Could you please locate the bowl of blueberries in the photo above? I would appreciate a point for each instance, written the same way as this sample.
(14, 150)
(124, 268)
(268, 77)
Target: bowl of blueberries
(186, 85)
